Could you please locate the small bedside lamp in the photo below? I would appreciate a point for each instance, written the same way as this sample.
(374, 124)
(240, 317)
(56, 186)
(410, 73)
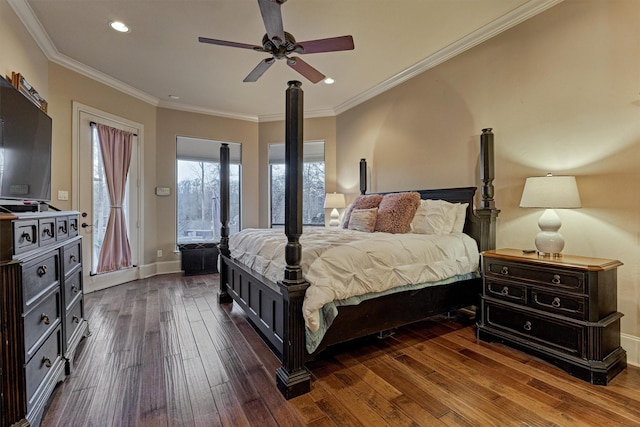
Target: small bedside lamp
(334, 201)
(550, 192)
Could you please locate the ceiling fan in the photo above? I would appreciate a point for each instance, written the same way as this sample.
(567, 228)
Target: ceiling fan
(281, 45)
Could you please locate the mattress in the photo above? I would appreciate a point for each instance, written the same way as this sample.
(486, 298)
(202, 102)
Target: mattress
(345, 265)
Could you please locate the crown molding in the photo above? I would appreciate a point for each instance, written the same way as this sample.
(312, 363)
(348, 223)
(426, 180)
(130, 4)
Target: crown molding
(509, 20)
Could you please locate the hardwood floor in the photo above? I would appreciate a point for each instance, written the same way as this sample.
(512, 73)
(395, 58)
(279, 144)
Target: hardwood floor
(162, 352)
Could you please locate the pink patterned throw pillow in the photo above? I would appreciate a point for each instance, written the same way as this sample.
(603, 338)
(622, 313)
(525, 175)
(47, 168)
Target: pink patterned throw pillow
(367, 201)
(396, 211)
(363, 220)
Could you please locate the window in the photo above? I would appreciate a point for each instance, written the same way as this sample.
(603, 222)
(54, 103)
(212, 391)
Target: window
(198, 190)
(313, 190)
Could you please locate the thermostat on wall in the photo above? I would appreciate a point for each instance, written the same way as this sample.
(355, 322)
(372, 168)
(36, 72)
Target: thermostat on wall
(163, 191)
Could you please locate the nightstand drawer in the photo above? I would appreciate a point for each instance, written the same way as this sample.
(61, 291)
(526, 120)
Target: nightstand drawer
(573, 306)
(552, 333)
(564, 279)
(507, 291)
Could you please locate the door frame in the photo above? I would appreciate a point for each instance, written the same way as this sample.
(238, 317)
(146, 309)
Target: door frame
(102, 281)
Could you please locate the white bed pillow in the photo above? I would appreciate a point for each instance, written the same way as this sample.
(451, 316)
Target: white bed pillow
(435, 217)
(461, 216)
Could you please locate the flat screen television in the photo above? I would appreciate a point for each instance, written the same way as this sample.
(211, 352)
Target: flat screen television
(25, 147)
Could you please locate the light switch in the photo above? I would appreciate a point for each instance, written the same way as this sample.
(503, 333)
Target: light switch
(163, 191)
(63, 195)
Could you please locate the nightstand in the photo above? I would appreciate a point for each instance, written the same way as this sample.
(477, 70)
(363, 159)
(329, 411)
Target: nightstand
(563, 310)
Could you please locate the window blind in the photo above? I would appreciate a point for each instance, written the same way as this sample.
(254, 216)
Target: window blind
(188, 148)
(312, 152)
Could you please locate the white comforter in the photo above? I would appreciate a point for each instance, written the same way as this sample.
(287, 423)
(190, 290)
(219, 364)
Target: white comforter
(340, 263)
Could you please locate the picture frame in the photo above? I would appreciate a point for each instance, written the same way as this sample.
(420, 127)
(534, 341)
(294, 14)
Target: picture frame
(20, 83)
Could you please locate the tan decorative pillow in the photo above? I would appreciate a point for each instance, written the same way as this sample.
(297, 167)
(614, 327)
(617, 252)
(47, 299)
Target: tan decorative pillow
(396, 211)
(363, 220)
(366, 201)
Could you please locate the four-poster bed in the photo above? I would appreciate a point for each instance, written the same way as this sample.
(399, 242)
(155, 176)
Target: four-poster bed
(275, 308)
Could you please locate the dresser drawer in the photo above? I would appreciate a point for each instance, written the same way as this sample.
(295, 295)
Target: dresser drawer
(72, 288)
(73, 226)
(573, 306)
(552, 333)
(507, 291)
(47, 230)
(47, 359)
(25, 236)
(71, 256)
(62, 228)
(40, 321)
(563, 279)
(38, 276)
(74, 319)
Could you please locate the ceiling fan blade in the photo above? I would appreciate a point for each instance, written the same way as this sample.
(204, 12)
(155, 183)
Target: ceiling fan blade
(230, 44)
(272, 17)
(332, 44)
(313, 75)
(263, 66)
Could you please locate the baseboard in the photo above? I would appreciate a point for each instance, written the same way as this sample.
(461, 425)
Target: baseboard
(632, 345)
(157, 268)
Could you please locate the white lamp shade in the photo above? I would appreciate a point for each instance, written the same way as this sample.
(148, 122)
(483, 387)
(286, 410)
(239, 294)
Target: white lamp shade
(334, 201)
(550, 192)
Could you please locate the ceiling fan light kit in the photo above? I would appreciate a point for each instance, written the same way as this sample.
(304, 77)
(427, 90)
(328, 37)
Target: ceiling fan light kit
(281, 45)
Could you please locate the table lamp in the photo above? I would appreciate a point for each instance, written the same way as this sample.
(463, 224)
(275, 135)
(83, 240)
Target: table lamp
(334, 201)
(550, 192)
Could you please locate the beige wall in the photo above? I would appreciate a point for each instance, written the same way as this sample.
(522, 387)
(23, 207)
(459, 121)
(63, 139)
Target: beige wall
(562, 94)
(316, 129)
(20, 53)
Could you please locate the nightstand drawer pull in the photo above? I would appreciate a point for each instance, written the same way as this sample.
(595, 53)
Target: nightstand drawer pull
(505, 270)
(556, 279)
(556, 302)
(505, 290)
(527, 326)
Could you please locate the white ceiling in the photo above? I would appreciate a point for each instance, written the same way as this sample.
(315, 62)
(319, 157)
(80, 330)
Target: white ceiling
(161, 56)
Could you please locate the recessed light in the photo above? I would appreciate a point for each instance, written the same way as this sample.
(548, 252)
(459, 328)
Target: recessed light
(174, 97)
(121, 27)
(329, 81)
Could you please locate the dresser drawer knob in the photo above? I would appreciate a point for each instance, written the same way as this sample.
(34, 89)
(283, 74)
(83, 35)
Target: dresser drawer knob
(556, 302)
(26, 236)
(46, 362)
(76, 319)
(47, 232)
(556, 279)
(74, 289)
(74, 226)
(62, 229)
(42, 270)
(72, 258)
(45, 319)
(505, 290)
(527, 326)
(505, 270)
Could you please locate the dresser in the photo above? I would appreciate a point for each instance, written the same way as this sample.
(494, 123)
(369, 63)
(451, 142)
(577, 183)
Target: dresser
(41, 309)
(563, 310)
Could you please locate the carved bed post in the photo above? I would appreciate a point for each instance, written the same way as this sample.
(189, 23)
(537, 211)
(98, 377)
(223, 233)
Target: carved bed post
(223, 247)
(487, 212)
(363, 176)
(292, 378)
